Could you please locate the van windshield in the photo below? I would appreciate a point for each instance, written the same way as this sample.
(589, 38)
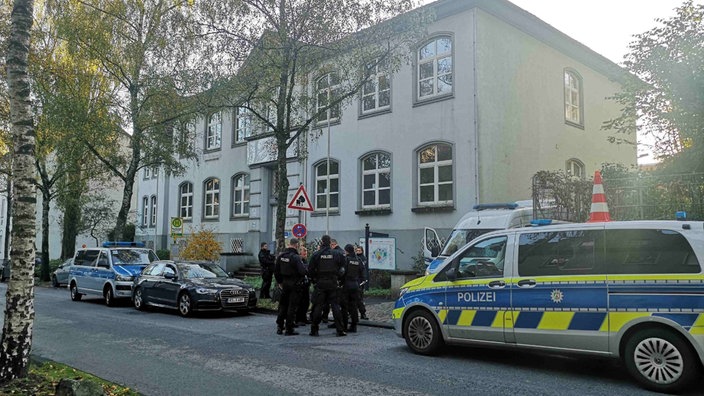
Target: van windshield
(459, 238)
(132, 256)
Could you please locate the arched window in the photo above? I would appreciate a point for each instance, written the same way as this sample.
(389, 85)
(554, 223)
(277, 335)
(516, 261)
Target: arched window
(145, 211)
(185, 204)
(213, 136)
(376, 181)
(434, 68)
(327, 90)
(240, 195)
(327, 185)
(574, 108)
(575, 167)
(152, 221)
(211, 200)
(435, 175)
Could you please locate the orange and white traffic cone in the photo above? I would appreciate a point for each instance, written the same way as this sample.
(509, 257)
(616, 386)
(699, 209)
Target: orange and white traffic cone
(600, 210)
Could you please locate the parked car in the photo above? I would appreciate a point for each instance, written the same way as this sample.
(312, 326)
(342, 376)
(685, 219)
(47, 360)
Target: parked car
(191, 286)
(60, 276)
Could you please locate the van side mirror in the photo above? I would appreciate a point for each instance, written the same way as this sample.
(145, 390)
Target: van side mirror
(103, 263)
(451, 274)
(435, 251)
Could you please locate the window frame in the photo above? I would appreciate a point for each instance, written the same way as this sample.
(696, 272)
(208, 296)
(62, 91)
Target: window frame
(380, 70)
(435, 76)
(377, 172)
(573, 163)
(152, 208)
(327, 194)
(329, 90)
(569, 93)
(436, 165)
(189, 197)
(214, 206)
(145, 211)
(245, 188)
(243, 114)
(213, 132)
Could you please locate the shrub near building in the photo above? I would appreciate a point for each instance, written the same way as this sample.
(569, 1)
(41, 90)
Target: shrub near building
(201, 245)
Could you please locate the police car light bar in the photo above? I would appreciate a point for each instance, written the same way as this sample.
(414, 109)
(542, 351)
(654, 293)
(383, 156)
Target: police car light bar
(495, 206)
(123, 244)
(541, 222)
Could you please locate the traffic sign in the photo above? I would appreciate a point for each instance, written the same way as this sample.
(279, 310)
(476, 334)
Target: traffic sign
(299, 230)
(300, 200)
(176, 227)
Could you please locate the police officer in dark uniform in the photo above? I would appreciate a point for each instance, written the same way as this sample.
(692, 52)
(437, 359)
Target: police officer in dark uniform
(326, 267)
(290, 273)
(353, 277)
(267, 261)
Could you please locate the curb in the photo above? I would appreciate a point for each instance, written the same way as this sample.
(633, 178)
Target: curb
(362, 322)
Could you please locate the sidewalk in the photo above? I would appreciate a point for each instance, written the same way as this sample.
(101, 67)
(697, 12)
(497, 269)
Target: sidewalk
(378, 312)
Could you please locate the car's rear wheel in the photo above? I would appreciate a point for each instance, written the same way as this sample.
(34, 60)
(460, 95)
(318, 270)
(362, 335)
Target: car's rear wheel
(54, 282)
(184, 304)
(138, 299)
(660, 360)
(422, 333)
(75, 295)
(109, 297)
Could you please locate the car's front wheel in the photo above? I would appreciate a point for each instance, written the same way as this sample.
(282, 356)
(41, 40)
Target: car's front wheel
(54, 282)
(75, 295)
(422, 333)
(660, 360)
(109, 297)
(138, 299)
(184, 304)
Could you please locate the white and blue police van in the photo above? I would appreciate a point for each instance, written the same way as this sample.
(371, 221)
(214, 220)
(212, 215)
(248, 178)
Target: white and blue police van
(481, 219)
(632, 290)
(108, 271)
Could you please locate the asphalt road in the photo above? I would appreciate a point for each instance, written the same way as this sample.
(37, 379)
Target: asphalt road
(160, 353)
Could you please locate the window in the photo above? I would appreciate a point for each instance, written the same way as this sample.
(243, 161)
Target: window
(152, 221)
(559, 253)
(483, 259)
(212, 198)
(376, 93)
(185, 209)
(214, 134)
(376, 181)
(187, 137)
(145, 211)
(244, 127)
(435, 68)
(574, 109)
(327, 89)
(147, 173)
(327, 186)
(240, 195)
(435, 175)
(575, 167)
(640, 251)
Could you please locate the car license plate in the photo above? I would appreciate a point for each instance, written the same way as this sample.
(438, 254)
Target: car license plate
(235, 300)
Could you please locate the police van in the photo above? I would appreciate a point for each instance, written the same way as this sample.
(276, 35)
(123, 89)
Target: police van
(481, 219)
(630, 290)
(108, 271)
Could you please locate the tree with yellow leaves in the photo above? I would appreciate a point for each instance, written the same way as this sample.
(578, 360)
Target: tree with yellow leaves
(201, 245)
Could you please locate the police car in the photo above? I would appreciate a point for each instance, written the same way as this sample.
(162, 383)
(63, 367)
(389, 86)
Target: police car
(108, 271)
(629, 290)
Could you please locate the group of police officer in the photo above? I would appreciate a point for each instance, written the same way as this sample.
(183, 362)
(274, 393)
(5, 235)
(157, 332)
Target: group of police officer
(337, 276)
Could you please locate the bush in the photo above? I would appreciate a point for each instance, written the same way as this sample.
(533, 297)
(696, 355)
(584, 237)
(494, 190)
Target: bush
(163, 254)
(201, 245)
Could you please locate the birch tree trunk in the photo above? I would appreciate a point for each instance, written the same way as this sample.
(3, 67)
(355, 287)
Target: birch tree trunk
(19, 311)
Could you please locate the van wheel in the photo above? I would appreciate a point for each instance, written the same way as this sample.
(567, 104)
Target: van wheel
(184, 304)
(138, 299)
(660, 360)
(75, 295)
(109, 297)
(422, 333)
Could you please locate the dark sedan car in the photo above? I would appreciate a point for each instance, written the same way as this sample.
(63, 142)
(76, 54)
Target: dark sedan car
(191, 286)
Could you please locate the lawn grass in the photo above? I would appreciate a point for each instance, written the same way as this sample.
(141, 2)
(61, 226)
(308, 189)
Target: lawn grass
(45, 375)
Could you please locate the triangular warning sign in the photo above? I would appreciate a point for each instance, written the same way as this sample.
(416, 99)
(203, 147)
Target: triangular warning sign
(300, 200)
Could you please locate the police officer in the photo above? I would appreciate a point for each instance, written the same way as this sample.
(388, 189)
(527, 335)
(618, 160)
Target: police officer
(359, 251)
(351, 280)
(290, 273)
(304, 292)
(266, 261)
(326, 267)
